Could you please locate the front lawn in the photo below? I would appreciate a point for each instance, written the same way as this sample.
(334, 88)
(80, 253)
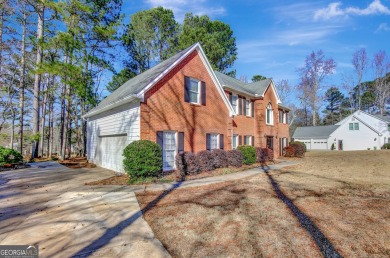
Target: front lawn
(332, 202)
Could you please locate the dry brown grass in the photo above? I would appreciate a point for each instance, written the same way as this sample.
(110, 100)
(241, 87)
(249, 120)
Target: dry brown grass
(346, 195)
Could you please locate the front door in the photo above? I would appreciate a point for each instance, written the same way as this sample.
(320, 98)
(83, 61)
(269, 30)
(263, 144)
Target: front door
(270, 142)
(169, 150)
(340, 144)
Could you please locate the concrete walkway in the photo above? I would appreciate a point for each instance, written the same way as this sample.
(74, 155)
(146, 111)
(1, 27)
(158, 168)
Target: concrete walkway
(49, 205)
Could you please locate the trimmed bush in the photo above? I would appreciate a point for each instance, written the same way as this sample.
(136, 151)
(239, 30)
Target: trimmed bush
(9, 156)
(301, 143)
(386, 146)
(248, 154)
(234, 158)
(264, 155)
(143, 159)
(220, 159)
(186, 164)
(205, 161)
(294, 150)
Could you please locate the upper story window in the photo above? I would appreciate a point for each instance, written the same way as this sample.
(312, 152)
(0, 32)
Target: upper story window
(247, 107)
(194, 91)
(353, 126)
(234, 102)
(282, 116)
(269, 116)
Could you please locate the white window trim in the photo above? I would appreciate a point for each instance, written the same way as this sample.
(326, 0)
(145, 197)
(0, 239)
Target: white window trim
(235, 96)
(217, 135)
(199, 91)
(271, 120)
(250, 139)
(234, 136)
(176, 143)
(248, 102)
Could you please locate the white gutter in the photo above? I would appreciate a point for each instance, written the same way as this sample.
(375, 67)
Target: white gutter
(114, 105)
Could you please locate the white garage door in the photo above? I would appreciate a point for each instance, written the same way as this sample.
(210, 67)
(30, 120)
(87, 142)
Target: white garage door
(319, 145)
(110, 152)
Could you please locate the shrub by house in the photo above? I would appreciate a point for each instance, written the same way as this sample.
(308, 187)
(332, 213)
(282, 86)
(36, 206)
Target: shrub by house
(143, 159)
(9, 156)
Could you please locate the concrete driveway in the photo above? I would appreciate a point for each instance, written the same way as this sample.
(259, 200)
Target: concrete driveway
(49, 205)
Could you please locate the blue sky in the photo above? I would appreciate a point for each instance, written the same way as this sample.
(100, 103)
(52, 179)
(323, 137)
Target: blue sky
(274, 37)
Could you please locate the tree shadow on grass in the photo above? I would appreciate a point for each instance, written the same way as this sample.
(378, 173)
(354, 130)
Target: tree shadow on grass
(325, 246)
(117, 229)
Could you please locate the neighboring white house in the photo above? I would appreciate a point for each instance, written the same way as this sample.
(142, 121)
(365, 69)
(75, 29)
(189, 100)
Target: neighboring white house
(359, 131)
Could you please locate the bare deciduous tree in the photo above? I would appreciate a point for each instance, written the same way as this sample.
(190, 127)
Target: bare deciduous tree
(381, 65)
(284, 90)
(312, 76)
(360, 64)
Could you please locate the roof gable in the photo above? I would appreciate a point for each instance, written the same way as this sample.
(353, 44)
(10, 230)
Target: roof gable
(253, 89)
(136, 87)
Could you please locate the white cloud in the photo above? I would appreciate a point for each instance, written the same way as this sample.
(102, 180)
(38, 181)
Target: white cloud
(383, 27)
(335, 10)
(181, 7)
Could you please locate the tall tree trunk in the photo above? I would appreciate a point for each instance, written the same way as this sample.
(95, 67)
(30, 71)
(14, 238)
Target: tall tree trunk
(43, 117)
(37, 79)
(64, 128)
(62, 120)
(13, 126)
(22, 80)
(83, 130)
(50, 138)
(69, 124)
(2, 13)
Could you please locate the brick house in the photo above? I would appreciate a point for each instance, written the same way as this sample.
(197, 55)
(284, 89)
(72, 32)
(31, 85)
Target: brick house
(183, 105)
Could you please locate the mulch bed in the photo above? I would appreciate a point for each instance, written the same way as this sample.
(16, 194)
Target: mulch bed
(170, 176)
(77, 162)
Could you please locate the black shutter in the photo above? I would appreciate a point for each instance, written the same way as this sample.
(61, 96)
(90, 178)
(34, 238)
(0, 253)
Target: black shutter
(186, 89)
(221, 143)
(203, 92)
(180, 147)
(253, 140)
(240, 140)
(253, 108)
(239, 105)
(160, 137)
(230, 97)
(208, 141)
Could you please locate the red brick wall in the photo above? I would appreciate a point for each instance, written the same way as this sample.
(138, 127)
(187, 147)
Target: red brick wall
(262, 130)
(164, 108)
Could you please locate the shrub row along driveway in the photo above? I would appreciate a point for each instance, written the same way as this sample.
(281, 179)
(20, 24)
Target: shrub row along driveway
(332, 204)
(49, 205)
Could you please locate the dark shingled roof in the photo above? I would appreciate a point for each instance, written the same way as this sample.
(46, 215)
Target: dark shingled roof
(314, 132)
(384, 118)
(253, 89)
(138, 83)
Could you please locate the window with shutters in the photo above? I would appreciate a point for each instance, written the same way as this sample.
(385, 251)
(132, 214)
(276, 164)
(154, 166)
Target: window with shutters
(248, 140)
(248, 107)
(169, 149)
(235, 103)
(269, 115)
(235, 141)
(194, 90)
(214, 141)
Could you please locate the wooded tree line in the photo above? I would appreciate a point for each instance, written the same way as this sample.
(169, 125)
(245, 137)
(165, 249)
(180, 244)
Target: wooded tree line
(315, 97)
(54, 54)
